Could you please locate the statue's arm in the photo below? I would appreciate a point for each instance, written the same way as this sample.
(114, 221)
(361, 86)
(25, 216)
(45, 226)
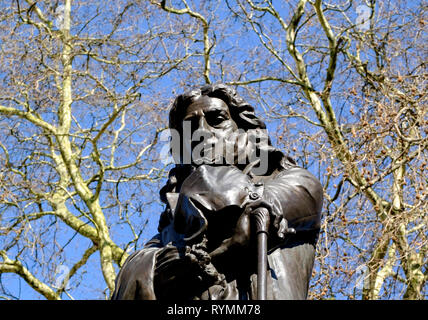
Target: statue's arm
(135, 279)
(295, 196)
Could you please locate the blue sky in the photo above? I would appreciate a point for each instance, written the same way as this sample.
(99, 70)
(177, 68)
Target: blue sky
(234, 58)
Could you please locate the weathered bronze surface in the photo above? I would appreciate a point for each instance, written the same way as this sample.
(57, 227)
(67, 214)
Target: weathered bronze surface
(225, 220)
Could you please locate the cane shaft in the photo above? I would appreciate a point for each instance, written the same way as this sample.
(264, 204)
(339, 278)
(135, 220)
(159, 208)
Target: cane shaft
(262, 266)
(261, 217)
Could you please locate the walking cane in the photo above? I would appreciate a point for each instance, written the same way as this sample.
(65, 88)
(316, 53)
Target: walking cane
(262, 220)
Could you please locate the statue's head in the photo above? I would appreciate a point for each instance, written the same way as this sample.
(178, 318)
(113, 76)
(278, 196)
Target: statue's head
(240, 111)
(209, 116)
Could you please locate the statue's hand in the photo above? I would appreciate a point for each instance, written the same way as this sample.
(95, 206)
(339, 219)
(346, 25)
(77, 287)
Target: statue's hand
(176, 268)
(278, 221)
(207, 272)
(179, 260)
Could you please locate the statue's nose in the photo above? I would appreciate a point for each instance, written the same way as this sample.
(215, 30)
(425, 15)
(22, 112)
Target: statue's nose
(203, 125)
(201, 133)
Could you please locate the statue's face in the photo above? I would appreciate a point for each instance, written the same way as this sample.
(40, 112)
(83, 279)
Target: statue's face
(210, 118)
(210, 114)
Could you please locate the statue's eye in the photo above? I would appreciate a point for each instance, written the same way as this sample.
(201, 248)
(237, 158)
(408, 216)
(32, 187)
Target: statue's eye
(215, 118)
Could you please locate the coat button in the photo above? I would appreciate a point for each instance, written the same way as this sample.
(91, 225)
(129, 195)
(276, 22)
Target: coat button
(254, 196)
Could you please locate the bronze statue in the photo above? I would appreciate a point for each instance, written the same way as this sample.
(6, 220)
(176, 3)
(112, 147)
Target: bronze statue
(218, 200)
